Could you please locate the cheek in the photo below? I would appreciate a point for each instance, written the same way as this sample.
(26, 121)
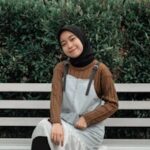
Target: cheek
(81, 47)
(65, 50)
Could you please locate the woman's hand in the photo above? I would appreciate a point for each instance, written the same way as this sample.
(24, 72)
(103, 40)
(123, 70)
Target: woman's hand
(57, 134)
(81, 123)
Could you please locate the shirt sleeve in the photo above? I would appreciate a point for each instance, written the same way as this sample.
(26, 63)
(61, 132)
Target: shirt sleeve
(56, 94)
(108, 94)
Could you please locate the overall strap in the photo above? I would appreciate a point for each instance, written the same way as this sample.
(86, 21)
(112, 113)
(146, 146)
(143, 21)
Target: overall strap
(66, 67)
(94, 70)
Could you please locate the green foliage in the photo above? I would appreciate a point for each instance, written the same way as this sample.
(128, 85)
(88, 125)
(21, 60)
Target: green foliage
(29, 48)
(137, 43)
(27, 43)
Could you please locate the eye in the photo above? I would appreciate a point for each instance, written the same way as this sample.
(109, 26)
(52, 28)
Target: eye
(72, 38)
(63, 44)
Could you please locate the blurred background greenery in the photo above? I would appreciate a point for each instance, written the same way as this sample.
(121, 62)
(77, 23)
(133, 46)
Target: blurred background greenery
(119, 31)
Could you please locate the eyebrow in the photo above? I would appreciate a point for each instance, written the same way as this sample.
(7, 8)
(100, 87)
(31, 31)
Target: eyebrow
(70, 36)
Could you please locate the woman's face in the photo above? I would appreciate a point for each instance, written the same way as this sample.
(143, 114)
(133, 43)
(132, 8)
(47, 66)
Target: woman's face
(71, 44)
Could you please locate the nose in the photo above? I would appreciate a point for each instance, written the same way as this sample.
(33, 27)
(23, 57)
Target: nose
(69, 44)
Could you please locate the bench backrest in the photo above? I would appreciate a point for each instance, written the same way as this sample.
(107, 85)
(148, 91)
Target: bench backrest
(117, 144)
(45, 104)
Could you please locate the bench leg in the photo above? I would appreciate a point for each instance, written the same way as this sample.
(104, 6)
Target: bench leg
(40, 143)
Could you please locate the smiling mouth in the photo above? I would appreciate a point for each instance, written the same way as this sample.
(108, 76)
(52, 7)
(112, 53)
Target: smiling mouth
(72, 50)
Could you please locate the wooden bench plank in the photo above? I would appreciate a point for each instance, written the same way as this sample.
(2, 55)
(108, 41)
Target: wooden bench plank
(27, 141)
(46, 87)
(110, 122)
(132, 87)
(110, 144)
(143, 105)
(127, 122)
(127, 142)
(45, 104)
(25, 87)
(24, 104)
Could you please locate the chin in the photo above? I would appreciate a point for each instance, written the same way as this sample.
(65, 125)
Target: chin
(75, 56)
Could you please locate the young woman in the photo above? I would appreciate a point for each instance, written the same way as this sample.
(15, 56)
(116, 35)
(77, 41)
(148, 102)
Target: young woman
(83, 95)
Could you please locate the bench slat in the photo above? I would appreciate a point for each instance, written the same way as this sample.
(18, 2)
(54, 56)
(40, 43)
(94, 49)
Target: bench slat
(128, 142)
(110, 144)
(110, 122)
(24, 104)
(132, 87)
(127, 122)
(25, 87)
(134, 105)
(46, 87)
(45, 104)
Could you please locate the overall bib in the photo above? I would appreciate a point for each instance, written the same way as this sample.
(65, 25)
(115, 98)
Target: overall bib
(75, 103)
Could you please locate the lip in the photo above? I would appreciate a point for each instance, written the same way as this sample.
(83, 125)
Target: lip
(72, 50)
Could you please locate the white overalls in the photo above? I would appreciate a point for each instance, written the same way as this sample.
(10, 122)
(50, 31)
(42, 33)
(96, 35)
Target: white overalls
(75, 103)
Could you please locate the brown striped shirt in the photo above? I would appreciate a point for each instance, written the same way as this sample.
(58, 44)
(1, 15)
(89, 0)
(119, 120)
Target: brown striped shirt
(104, 87)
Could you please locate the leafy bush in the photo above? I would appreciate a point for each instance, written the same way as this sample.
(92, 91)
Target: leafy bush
(28, 48)
(136, 43)
(119, 35)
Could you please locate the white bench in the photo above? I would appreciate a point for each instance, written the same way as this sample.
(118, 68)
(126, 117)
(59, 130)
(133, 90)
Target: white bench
(111, 144)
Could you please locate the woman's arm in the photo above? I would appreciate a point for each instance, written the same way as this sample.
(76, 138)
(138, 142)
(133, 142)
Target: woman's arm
(57, 132)
(106, 92)
(56, 94)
